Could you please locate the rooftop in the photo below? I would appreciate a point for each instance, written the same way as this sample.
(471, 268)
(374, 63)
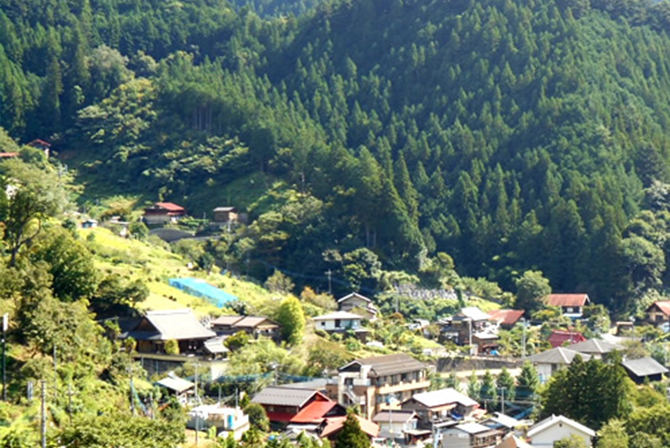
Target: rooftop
(558, 355)
(663, 305)
(471, 312)
(352, 295)
(254, 321)
(473, 428)
(553, 420)
(394, 416)
(176, 384)
(506, 317)
(226, 320)
(513, 442)
(443, 397)
(285, 396)
(388, 364)
(595, 347)
(169, 206)
(314, 412)
(572, 300)
(170, 324)
(644, 367)
(334, 424)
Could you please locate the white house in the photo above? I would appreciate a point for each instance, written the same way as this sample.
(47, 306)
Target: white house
(338, 321)
(396, 424)
(226, 420)
(550, 361)
(552, 429)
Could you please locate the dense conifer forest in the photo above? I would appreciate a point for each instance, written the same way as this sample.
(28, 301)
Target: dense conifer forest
(510, 135)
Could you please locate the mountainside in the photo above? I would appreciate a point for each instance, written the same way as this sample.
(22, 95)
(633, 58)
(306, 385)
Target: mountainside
(511, 135)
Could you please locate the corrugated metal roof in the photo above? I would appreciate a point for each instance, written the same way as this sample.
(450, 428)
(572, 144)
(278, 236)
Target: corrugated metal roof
(176, 384)
(444, 397)
(254, 321)
(335, 424)
(389, 364)
(472, 428)
(215, 345)
(595, 346)
(284, 396)
(644, 367)
(226, 320)
(352, 295)
(314, 412)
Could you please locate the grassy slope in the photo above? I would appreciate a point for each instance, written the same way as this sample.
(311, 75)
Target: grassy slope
(156, 265)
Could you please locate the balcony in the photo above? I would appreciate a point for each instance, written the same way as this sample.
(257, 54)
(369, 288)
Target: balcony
(404, 386)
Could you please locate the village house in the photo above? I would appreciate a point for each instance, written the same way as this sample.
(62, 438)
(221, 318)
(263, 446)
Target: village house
(254, 326)
(378, 383)
(42, 145)
(282, 404)
(225, 215)
(658, 314)
(550, 361)
(180, 388)
(156, 328)
(397, 425)
(571, 305)
(502, 422)
(597, 348)
(342, 322)
(470, 435)
(8, 155)
(358, 304)
(469, 326)
(506, 319)
(440, 405)
(562, 338)
(546, 433)
(644, 369)
(163, 213)
(226, 420)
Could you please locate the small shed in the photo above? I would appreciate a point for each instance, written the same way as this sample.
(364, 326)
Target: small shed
(225, 214)
(643, 369)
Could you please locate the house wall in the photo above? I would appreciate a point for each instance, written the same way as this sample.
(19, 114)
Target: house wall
(353, 302)
(554, 433)
(151, 218)
(545, 371)
(341, 324)
(397, 428)
(454, 438)
(656, 316)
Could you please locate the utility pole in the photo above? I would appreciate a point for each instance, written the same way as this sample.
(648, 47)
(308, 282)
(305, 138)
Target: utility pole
(523, 323)
(329, 273)
(5, 324)
(55, 375)
(502, 399)
(44, 414)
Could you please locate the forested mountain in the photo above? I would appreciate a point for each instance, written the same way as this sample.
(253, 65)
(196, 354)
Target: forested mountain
(511, 135)
(267, 8)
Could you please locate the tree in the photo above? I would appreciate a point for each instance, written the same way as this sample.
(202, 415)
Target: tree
(351, 435)
(573, 441)
(138, 230)
(528, 382)
(236, 341)
(117, 297)
(489, 391)
(257, 416)
(279, 283)
(613, 435)
(36, 194)
(506, 384)
(171, 347)
(590, 392)
(531, 288)
(453, 381)
(291, 319)
(70, 264)
(474, 388)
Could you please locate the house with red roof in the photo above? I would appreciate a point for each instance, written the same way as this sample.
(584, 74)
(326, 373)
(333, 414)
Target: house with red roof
(572, 305)
(163, 212)
(560, 338)
(285, 405)
(506, 319)
(42, 145)
(8, 155)
(658, 313)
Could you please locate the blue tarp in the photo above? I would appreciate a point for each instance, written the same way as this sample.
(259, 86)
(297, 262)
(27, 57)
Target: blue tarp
(200, 288)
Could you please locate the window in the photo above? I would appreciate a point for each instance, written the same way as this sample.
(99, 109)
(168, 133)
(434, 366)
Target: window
(337, 323)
